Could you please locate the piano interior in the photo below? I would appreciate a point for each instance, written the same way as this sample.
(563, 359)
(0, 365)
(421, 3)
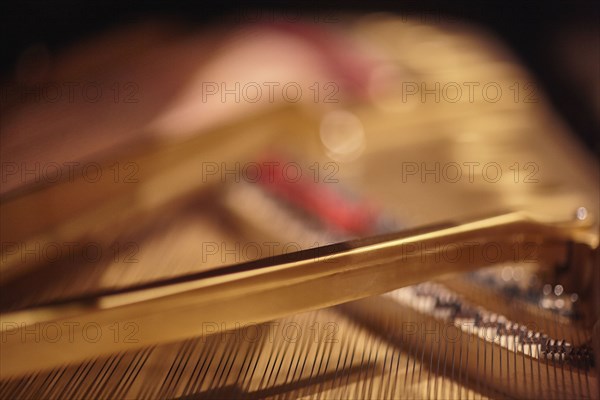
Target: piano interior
(372, 125)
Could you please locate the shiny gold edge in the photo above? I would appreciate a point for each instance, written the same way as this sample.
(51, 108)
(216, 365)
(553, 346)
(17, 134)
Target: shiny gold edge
(270, 288)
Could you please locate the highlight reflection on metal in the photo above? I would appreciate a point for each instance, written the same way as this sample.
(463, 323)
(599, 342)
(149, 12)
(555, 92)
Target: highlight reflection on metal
(271, 288)
(355, 155)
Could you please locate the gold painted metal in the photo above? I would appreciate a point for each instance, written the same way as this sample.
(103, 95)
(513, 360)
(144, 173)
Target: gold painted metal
(274, 287)
(429, 132)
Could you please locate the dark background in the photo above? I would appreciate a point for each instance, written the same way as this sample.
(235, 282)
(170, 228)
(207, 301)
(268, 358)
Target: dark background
(531, 29)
